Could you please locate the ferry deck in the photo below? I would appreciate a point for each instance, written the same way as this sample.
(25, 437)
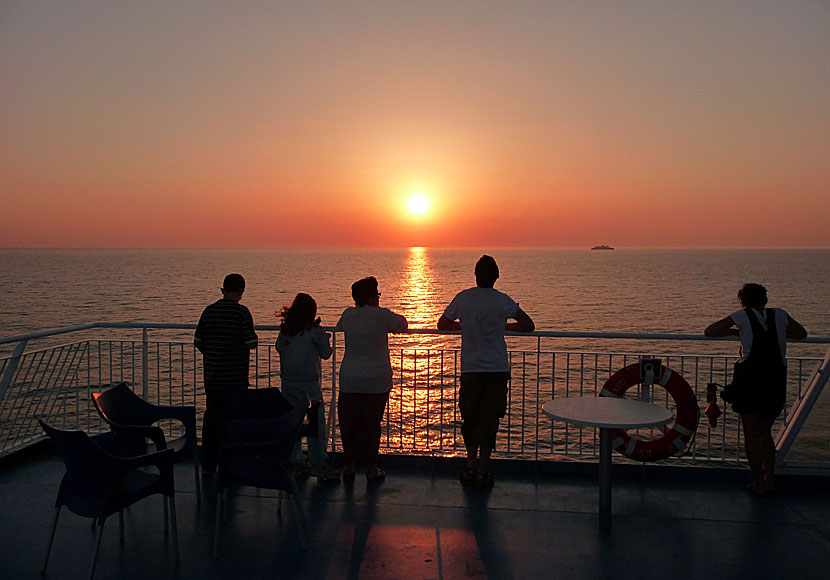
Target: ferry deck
(679, 518)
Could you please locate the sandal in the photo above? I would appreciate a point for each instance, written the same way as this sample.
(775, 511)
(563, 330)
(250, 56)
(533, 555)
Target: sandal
(755, 489)
(377, 475)
(485, 480)
(348, 474)
(467, 477)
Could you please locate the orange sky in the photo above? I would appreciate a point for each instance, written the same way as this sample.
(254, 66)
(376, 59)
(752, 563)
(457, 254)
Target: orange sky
(640, 124)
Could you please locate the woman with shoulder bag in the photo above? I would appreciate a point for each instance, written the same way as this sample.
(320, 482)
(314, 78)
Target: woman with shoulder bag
(759, 383)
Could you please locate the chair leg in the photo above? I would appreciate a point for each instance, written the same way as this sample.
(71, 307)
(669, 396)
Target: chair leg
(198, 480)
(175, 527)
(295, 491)
(166, 521)
(95, 550)
(279, 502)
(299, 519)
(51, 539)
(220, 505)
(121, 527)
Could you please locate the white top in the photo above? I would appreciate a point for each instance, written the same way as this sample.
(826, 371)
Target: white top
(300, 354)
(741, 320)
(483, 314)
(366, 367)
(607, 412)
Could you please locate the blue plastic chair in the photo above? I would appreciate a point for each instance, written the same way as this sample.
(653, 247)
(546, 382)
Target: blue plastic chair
(257, 450)
(134, 419)
(99, 482)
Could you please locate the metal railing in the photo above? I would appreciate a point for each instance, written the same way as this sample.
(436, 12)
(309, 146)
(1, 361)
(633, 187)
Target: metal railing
(56, 382)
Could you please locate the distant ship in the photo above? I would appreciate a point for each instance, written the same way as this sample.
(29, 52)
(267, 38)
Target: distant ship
(602, 247)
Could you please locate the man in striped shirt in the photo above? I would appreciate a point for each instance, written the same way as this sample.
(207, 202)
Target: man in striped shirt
(225, 336)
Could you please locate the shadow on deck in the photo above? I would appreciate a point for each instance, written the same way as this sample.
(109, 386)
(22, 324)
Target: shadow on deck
(420, 523)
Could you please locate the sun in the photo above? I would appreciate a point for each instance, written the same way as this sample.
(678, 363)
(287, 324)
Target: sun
(418, 204)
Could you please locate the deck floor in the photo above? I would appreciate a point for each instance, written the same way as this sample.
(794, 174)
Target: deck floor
(420, 523)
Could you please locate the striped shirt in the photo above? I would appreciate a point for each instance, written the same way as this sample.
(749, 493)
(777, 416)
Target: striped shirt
(225, 336)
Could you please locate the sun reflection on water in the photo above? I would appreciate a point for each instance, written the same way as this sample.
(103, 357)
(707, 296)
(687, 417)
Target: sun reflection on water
(418, 294)
(422, 405)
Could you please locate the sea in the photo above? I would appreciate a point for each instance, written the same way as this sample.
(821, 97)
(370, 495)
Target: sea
(569, 290)
(623, 290)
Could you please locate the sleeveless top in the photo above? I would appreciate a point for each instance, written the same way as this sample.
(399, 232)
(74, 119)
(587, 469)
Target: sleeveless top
(761, 377)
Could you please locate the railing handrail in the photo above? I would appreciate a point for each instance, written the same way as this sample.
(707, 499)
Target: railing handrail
(415, 331)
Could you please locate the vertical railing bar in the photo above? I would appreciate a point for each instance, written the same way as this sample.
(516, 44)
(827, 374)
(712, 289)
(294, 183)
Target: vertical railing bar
(429, 401)
(509, 399)
(332, 415)
(552, 396)
(441, 403)
(181, 358)
(145, 363)
(567, 394)
(524, 398)
(414, 399)
(538, 380)
(455, 399)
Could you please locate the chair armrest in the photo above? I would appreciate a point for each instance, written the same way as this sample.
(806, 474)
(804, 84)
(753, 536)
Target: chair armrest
(163, 460)
(183, 413)
(133, 436)
(186, 414)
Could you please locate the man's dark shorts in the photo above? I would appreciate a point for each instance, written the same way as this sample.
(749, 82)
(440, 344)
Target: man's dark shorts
(482, 401)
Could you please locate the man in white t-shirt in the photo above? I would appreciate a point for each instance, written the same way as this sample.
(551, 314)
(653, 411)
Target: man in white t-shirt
(481, 314)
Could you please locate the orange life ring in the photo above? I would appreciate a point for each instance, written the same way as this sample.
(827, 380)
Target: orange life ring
(686, 419)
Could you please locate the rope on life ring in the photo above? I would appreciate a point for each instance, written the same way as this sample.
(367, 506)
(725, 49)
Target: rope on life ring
(674, 440)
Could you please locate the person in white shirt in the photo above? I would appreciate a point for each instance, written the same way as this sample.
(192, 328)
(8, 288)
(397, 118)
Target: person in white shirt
(365, 376)
(759, 383)
(302, 343)
(481, 314)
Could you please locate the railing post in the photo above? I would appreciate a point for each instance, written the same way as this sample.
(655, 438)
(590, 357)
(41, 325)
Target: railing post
(11, 368)
(145, 363)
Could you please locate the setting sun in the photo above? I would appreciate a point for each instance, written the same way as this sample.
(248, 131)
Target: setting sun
(418, 204)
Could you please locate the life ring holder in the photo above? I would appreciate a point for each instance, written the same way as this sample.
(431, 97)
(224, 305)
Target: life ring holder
(675, 439)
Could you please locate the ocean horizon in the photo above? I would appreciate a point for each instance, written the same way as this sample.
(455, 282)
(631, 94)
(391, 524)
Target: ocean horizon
(563, 289)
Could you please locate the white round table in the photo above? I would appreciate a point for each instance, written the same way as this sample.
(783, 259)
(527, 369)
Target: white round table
(606, 413)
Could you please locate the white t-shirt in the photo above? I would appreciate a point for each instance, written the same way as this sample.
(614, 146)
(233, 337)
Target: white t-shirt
(741, 320)
(483, 313)
(366, 367)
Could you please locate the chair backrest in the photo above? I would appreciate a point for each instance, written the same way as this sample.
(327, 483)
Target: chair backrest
(257, 452)
(257, 403)
(121, 405)
(89, 474)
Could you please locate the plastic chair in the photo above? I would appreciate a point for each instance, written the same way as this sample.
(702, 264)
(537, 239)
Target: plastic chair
(257, 450)
(134, 420)
(100, 482)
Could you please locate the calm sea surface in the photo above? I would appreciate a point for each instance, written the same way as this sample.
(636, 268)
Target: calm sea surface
(564, 290)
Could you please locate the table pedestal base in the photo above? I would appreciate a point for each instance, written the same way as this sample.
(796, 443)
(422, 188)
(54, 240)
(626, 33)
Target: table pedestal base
(605, 477)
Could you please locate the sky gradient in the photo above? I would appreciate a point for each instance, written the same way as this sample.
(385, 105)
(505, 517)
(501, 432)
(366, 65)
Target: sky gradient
(308, 124)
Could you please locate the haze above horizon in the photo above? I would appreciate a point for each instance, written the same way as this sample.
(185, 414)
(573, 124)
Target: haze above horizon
(463, 124)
